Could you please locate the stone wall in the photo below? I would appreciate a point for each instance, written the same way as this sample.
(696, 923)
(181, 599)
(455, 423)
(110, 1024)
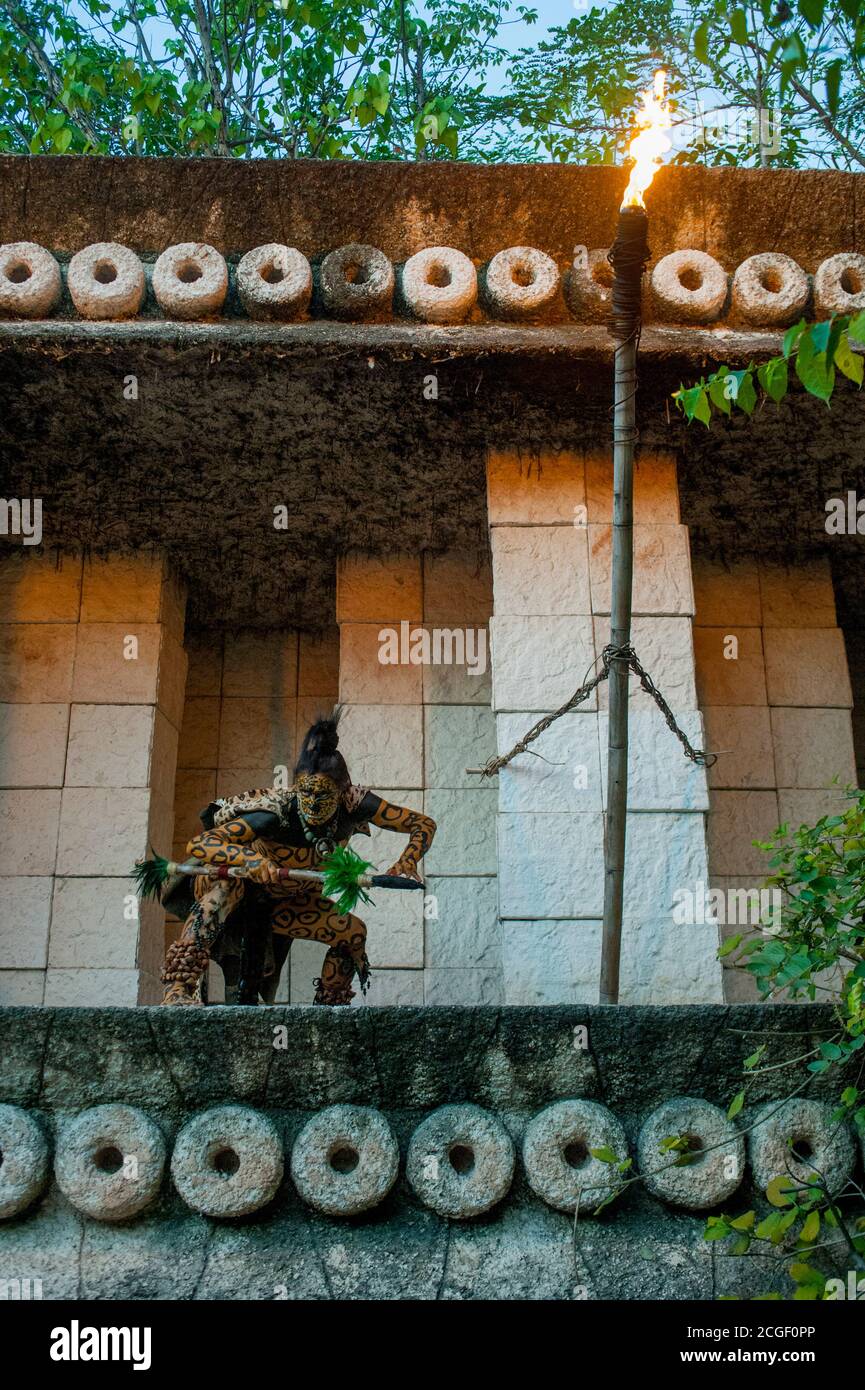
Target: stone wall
(775, 692)
(199, 1154)
(92, 673)
(410, 730)
(250, 697)
(551, 543)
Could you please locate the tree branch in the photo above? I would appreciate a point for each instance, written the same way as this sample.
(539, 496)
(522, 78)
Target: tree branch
(212, 75)
(55, 85)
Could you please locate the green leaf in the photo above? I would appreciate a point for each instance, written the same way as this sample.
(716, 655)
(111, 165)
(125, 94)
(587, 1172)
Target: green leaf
(793, 56)
(792, 336)
(716, 1233)
(752, 1061)
(768, 1226)
(746, 398)
(848, 361)
(730, 945)
(604, 1154)
(739, 26)
(779, 1191)
(833, 85)
(856, 327)
(772, 376)
(811, 1227)
(736, 1105)
(449, 139)
(812, 368)
(701, 410)
(812, 12)
(745, 1222)
(720, 397)
(784, 1225)
(819, 334)
(701, 42)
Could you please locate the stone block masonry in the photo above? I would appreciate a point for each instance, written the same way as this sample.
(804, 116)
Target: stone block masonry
(92, 674)
(415, 686)
(774, 689)
(549, 520)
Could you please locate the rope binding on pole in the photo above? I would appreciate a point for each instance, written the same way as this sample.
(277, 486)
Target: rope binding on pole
(628, 656)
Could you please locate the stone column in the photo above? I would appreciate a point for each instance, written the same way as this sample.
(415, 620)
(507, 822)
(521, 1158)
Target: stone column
(775, 692)
(411, 727)
(463, 958)
(551, 540)
(381, 736)
(92, 682)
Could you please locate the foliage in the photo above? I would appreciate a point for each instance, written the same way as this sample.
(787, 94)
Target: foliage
(403, 79)
(326, 79)
(801, 65)
(819, 871)
(819, 351)
(802, 1212)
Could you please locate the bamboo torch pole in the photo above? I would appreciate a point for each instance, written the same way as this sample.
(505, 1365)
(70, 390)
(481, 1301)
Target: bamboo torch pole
(628, 257)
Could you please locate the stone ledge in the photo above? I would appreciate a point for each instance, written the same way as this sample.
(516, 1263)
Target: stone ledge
(513, 1057)
(586, 342)
(415, 1069)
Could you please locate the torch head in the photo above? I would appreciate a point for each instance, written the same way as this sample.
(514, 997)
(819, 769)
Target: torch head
(628, 256)
(630, 253)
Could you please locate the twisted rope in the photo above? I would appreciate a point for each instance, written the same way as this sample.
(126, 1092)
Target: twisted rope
(610, 654)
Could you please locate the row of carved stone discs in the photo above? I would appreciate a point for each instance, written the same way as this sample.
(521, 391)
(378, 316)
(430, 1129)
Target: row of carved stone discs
(437, 285)
(228, 1161)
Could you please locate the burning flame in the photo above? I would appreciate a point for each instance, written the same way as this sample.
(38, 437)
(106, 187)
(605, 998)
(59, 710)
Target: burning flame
(650, 143)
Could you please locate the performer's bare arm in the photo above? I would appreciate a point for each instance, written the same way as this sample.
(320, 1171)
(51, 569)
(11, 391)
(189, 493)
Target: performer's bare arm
(419, 828)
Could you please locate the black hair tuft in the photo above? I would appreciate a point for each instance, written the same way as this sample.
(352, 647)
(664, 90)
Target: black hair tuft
(320, 751)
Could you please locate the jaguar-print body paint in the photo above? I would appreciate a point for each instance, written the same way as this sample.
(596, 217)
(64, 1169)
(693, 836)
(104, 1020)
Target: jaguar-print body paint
(419, 828)
(299, 911)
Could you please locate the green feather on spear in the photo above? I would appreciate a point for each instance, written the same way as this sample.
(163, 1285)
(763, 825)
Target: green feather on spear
(150, 876)
(343, 871)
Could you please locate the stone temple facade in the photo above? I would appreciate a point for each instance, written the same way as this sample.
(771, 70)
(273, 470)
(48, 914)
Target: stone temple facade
(391, 425)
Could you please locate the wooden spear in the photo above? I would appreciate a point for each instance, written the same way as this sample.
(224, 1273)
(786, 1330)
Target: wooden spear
(343, 876)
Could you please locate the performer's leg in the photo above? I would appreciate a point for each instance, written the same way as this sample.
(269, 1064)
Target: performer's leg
(270, 984)
(187, 959)
(344, 958)
(310, 917)
(230, 967)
